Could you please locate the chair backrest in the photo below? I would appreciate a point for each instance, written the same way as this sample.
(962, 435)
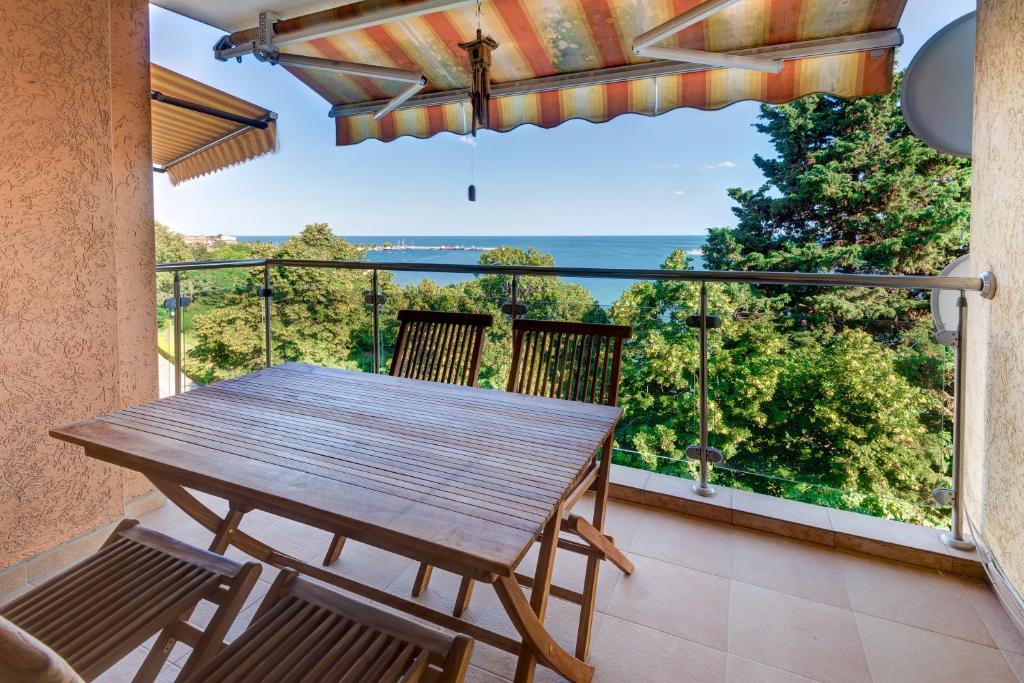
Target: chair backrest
(23, 658)
(440, 347)
(572, 361)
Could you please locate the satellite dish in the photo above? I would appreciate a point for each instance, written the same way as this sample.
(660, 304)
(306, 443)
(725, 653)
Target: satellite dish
(938, 89)
(944, 301)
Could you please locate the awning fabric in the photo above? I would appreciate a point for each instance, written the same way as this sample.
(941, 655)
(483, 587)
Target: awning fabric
(188, 144)
(848, 75)
(539, 38)
(558, 60)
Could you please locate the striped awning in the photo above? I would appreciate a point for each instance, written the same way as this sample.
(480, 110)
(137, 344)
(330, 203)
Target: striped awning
(190, 141)
(559, 60)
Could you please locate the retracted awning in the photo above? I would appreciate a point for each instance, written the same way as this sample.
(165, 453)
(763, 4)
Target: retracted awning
(558, 60)
(198, 129)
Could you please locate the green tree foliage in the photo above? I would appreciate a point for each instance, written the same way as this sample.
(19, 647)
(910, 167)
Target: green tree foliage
(319, 315)
(826, 414)
(170, 248)
(850, 189)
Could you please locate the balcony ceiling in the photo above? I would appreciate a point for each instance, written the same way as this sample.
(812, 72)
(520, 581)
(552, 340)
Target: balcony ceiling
(558, 60)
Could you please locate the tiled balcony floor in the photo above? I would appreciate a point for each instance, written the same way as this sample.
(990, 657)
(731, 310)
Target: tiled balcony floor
(707, 602)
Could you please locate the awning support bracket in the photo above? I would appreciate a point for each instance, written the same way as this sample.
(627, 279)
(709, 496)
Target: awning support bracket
(264, 50)
(645, 45)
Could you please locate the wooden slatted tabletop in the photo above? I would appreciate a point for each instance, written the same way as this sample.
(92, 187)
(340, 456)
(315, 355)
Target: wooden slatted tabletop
(424, 469)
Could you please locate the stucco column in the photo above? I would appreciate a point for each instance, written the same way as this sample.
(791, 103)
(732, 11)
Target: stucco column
(77, 297)
(995, 365)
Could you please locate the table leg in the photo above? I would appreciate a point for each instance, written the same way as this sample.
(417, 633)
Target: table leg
(541, 590)
(601, 486)
(222, 537)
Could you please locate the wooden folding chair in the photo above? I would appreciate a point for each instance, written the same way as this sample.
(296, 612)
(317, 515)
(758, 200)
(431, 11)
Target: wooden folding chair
(437, 347)
(26, 660)
(140, 583)
(304, 632)
(573, 362)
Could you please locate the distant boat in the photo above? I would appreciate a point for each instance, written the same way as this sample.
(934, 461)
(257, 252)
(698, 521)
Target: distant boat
(695, 252)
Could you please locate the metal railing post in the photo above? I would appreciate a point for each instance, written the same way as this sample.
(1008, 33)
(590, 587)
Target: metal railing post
(955, 536)
(177, 332)
(515, 297)
(268, 340)
(375, 286)
(702, 488)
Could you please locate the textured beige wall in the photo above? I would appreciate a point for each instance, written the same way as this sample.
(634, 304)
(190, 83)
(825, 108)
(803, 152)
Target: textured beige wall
(76, 292)
(994, 491)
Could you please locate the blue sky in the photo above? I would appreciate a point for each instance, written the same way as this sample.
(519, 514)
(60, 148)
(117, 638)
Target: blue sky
(632, 175)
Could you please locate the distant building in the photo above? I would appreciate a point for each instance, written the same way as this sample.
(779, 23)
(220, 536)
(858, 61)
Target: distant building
(210, 241)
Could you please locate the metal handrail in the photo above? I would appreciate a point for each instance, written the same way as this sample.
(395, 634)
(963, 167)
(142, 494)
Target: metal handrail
(984, 283)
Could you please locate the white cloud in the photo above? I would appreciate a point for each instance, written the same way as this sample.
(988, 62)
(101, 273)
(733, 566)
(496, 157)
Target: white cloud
(679, 193)
(468, 140)
(720, 165)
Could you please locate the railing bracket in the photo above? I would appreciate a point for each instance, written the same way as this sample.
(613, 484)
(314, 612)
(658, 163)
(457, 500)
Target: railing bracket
(265, 292)
(369, 298)
(714, 322)
(944, 496)
(714, 455)
(514, 310)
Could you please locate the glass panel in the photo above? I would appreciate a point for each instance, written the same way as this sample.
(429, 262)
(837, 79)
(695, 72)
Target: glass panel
(221, 325)
(851, 413)
(658, 390)
(320, 316)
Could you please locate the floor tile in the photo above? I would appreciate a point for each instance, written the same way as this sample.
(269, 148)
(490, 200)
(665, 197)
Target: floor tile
(561, 620)
(442, 591)
(621, 520)
(15, 592)
(807, 570)
(299, 540)
(916, 597)
(478, 675)
(993, 615)
(624, 651)
(570, 572)
(677, 600)
(898, 653)
(368, 565)
(682, 539)
(795, 634)
(742, 670)
(1016, 663)
(125, 670)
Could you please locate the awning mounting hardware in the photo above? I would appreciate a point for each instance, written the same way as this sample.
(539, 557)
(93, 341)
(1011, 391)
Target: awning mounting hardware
(264, 50)
(644, 45)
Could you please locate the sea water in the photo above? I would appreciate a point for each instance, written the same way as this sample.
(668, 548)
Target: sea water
(619, 251)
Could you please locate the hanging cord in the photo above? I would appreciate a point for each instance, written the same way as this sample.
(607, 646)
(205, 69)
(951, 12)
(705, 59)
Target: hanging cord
(471, 192)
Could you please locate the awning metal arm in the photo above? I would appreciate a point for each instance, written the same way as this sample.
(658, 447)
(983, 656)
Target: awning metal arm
(199, 150)
(819, 47)
(262, 123)
(264, 49)
(644, 44)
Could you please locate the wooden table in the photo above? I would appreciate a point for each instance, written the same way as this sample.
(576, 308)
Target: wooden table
(466, 479)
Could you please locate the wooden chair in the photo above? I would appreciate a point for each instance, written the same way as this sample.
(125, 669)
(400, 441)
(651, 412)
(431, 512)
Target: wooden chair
(26, 660)
(304, 632)
(437, 347)
(440, 347)
(574, 362)
(140, 583)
